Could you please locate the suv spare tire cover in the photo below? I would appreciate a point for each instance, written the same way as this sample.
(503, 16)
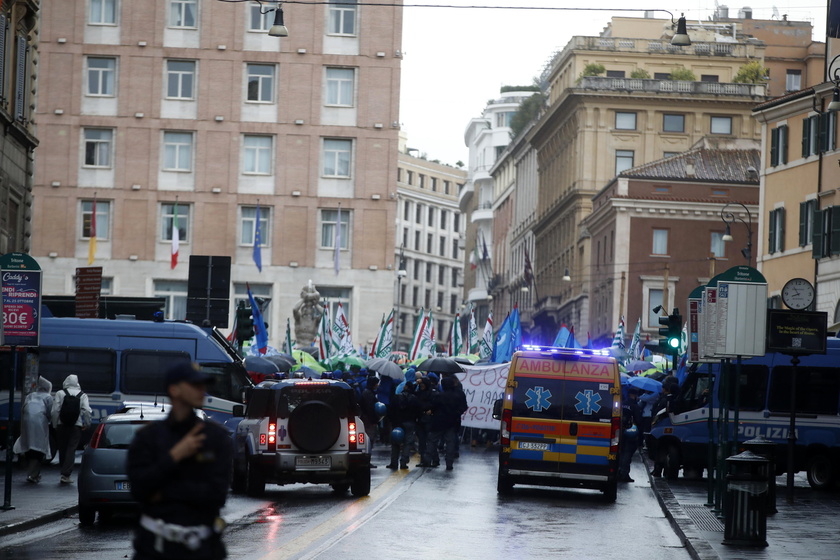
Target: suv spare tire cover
(314, 426)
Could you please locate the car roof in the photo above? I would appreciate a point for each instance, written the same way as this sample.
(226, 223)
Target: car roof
(286, 383)
(133, 411)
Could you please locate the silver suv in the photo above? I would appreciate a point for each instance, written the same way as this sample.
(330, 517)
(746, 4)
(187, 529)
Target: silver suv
(301, 430)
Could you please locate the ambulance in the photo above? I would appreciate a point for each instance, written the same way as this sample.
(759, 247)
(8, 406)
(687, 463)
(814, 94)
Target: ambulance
(560, 420)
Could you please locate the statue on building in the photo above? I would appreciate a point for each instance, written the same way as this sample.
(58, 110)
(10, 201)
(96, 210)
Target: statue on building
(307, 313)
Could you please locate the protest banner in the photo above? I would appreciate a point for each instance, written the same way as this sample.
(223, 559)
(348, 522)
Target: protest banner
(483, 385)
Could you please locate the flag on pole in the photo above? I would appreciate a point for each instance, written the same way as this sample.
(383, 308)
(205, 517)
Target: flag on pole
(176, 235)
(429, 342)
(589, 341)
(502, 341)
(259, 324)
(417, 339)
(472, 333)
(383, 344)
(455, 342)
(634, 343)
(324, 339)
(572, 341)
(92, 233)
(529, 270)
(618, 339)
(287, 340)
(258, 241)
(337, 241)
(475, 256)
(341, 335)
(562, 337)
(485, 345)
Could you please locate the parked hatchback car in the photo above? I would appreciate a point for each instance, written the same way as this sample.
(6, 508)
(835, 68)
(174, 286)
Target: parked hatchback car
(302, 430)
(103, 479)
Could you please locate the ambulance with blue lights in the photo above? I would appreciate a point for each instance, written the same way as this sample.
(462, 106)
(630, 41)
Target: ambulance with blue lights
(561, 420)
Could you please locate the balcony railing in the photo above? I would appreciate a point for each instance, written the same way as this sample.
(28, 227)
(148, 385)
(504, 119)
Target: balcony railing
(664, 46)
(672, 86)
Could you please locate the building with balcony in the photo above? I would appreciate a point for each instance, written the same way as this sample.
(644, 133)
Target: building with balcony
(19, 57)
(430, 246)
(185, 115)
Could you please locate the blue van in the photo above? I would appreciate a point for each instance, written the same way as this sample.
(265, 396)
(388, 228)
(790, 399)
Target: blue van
(680, 439)
(120, 360)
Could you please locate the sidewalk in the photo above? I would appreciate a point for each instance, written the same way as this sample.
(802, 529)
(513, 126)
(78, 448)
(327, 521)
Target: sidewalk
(36, 504)
(806, 528)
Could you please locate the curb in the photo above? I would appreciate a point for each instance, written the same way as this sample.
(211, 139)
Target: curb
(685, 528)
(37, 521)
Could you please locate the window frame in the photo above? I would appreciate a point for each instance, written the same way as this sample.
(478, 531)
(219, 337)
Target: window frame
(98, 143)
(265, 18)
(719, 119)
(334, 154)
(102, 10)
(328, 222)
(259, 79)
(179, 147)
(337, 13)
(102, 76)
(626, 114)
(103, 218)
(174, 18)
(261, 155)
(339, 98)
(167, 215)
(656, 243)
(789, 78)
(621, 155)
(716, 240)
(665, 126)
(248, 225)
(179, 76)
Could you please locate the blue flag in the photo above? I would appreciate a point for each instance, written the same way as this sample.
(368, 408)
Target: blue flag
(258, 242)
(501, 343)
(516, 333)
(562, 337)
(259, 324)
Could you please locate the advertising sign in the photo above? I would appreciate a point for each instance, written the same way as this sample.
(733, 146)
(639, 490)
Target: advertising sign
(88, 289)
(796, 332)
(21, 280)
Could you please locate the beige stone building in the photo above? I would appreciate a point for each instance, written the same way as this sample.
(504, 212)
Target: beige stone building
(189, 107)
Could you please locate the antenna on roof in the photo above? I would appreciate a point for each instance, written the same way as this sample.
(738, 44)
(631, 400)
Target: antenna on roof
(141, 411)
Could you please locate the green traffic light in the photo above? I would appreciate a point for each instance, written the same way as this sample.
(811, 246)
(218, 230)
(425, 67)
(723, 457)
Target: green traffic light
(674, 342)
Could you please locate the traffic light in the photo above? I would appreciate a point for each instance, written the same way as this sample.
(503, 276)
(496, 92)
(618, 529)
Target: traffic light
(244, 323)
(671, 333)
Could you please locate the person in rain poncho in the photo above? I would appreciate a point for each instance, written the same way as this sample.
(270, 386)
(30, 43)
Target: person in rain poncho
(34, 440)
(68, 435)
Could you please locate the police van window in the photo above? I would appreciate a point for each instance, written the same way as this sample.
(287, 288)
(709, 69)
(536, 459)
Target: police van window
(694, 391)
(228, 381)
(753, 387)
(817, 390)
(261, 403)
(143, 370)
(95, 368)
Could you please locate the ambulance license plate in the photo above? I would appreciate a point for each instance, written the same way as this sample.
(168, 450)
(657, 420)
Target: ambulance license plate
(533, 446)
(122, 485)
(314, 462)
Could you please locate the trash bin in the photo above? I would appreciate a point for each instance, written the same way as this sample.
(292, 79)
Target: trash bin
(767, 449)
(745, 504)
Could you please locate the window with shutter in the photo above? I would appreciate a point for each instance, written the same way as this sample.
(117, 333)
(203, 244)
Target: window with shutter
(20, 79)
(834, 236)
(780, 229)
(806, 137)
(771, 238)
(818, 242)
(824, 121)
(2, 58)
(783, 144)
(774, 147)
(803, 222)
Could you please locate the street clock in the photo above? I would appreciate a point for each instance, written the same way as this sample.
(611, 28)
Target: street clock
(798, 294)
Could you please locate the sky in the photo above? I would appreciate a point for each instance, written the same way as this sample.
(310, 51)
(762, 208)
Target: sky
(455, 60)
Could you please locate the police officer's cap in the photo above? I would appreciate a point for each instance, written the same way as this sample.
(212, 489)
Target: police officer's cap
(186, 371)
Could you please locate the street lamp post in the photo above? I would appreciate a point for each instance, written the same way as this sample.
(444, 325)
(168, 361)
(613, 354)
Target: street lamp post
(728, 218)
(400, 275)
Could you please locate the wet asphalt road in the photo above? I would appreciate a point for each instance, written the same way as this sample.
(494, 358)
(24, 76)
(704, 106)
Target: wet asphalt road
(410, 514)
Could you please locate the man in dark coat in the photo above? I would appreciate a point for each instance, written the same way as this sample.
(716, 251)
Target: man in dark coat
(179, 470)
(404, 410)
(447, 407)
(368, 406)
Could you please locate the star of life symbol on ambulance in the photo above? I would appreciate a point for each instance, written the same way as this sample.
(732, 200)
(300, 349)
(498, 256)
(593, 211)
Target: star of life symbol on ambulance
(587, 402)
(538, 399)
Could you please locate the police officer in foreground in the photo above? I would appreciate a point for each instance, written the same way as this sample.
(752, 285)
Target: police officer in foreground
(179, 470)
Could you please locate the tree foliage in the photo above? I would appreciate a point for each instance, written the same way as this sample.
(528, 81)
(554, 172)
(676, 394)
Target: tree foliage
(593, 69)
(752, 72)
(640, 74)
(528, 110)
(683, 75)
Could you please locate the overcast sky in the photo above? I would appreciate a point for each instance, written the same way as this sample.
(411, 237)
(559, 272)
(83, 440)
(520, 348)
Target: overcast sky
(455, 60)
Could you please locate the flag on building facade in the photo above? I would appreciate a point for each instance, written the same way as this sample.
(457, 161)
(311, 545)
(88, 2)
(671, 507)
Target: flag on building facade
(485, 345)
(562, 337)
(472, 333)
(455, 342)
(323, 341)
(618, 339)
(383, 344)
(635, 346)
(259, 324)
(258, 241)
(92, 233)
(337, 241)
(529, 270)
(176, 235)
(287, 340)
(475, 257)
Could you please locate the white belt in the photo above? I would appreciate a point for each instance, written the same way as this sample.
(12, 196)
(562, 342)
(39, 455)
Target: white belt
(190, 537)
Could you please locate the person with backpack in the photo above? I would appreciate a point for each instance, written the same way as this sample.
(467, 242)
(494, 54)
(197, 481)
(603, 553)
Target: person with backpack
(70, 415)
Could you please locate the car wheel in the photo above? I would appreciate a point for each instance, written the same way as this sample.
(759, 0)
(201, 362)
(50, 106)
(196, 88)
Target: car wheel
(87, 515)
(504, 485)
(820, 472)
(672, 462)
(340, 488)
(360, 486)
(314, 426)
(254, 480)
(611, 491)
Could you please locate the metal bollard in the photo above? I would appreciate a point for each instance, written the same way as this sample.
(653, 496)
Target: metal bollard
(767, 449)
(745, 507)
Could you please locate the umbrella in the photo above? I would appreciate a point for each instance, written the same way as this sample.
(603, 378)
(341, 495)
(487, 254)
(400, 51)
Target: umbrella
(282, 362)
(347, 362)
(441, 365)
(625, 378)
(386, 367)
(306, 371)
(464, 360)
(316, 367)
(645, 384)
(304, 358)
(638, 365)
(260, 365)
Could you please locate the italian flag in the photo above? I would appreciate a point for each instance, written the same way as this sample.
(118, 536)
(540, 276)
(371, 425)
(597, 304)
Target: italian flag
(455, 336)
(384, 340)
(324, 338)
(176, 235)
(472, 333)
(485, 345)
(417, 340)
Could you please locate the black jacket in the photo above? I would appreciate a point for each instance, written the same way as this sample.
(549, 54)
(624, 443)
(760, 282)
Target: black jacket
(405, 407)
(447, 406)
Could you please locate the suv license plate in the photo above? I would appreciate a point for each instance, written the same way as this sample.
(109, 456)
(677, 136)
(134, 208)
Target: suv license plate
(534, 446)
(122, 485)
(314, 462)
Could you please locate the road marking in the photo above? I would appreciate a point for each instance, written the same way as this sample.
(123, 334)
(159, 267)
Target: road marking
(355, 514)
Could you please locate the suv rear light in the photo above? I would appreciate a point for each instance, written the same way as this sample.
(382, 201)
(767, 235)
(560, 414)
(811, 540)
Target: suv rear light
(352, 436)
(507, 417)
(270, 438)
(97, 436)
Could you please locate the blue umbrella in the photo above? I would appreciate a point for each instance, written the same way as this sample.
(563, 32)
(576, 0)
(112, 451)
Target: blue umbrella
(625, 378)
(638, 365)
(645, 384)
(260, 365)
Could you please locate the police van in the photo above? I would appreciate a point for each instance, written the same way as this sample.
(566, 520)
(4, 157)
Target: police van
(118, 360)
(680, 439)
(560, 420)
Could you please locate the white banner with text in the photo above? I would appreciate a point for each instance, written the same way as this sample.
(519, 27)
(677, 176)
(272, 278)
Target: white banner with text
(483, 385)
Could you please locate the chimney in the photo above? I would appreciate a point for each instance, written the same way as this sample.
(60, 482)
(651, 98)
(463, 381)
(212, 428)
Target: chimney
(689, 167)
